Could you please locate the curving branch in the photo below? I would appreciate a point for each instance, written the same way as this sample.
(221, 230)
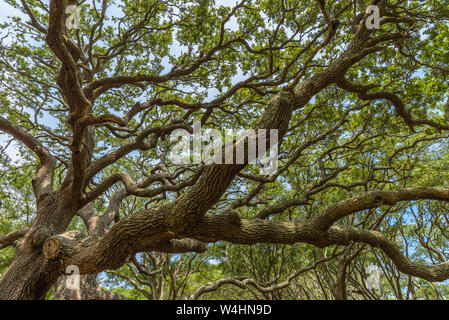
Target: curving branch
(10, 238)
(139, 143)
(399, 106)
(375, 199)
(219, 228)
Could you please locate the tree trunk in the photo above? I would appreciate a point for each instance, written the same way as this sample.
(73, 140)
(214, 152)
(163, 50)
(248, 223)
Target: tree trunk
(29, 276)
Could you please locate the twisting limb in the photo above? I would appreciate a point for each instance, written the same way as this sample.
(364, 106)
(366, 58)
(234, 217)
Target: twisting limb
(399, 107)
(10, 238)
(34, 22)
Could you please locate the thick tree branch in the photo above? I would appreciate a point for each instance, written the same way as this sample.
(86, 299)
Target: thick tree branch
(218, 228)
(180, 218)
(34, 22)
(375, 199)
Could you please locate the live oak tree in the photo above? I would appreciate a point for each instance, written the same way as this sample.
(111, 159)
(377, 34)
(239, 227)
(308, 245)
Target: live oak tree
(360, 114)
